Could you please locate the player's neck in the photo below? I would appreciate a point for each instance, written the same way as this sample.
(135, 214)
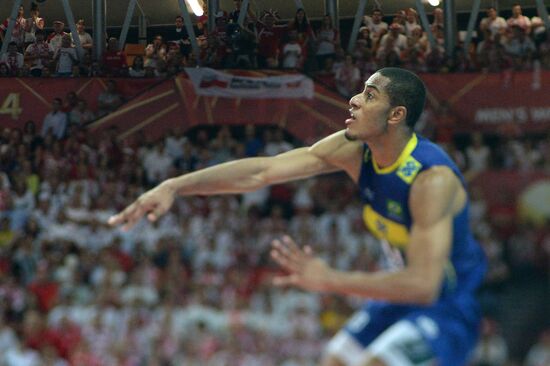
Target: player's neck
(387, 148)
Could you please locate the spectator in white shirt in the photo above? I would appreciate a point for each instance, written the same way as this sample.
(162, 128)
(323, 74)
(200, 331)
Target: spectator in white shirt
(175, 143)
(292, 52)
(65, 57)
(394, 42)
(56, 121)
(54, 39)
(376, 26)
(18, 31)
(86, 40)
(39, 54)
(157, 164)
(33, 24)
(518, 19)
(493, 23)
(478, 154)
(412, 22)
(81, 114)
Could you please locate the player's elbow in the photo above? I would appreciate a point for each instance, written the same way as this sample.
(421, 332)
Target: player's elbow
(426, 298)
(426, 294)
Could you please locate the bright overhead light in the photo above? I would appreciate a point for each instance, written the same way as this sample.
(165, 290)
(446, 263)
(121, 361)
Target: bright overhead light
(433, 2)
(196, 7)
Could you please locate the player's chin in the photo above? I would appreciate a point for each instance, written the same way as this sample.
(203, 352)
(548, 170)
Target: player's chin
(349, 135)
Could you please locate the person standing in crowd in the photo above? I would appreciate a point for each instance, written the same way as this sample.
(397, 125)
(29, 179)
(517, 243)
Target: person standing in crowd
(56, 37)
(14, 59)
(86, 40)
(114, 60)
(39, 54)
(518, 19)
(33, 24)
(328, 38)
(65, 57)
(376, 25)
(493, 23)
(55, 121)
(18, 31)
(179, 36)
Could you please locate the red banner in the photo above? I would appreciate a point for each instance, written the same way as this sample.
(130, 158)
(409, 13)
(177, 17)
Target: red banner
(487, 102)
(24, 99)
(175, 102)
(491, 102)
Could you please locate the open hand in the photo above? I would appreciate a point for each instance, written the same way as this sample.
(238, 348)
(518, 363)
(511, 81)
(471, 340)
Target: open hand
(304, 269)
(153, 203)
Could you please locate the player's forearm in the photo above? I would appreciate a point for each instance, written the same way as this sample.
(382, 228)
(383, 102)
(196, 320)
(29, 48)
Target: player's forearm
(232, 177)
(403, 286)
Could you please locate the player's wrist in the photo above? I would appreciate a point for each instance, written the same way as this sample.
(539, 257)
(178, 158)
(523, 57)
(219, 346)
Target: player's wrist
(170, 186)
(331, 280)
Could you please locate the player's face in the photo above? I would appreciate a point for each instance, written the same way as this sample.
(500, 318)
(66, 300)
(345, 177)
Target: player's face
(369, 110)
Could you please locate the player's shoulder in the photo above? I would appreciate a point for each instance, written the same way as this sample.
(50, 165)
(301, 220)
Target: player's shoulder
(336, 143)
(436, 176)
(436, 193)
(341, 152)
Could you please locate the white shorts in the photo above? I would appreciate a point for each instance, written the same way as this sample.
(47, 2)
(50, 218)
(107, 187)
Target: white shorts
(399, 345)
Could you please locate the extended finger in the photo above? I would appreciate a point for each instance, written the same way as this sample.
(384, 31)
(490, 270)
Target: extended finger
(132, 214)
(134, 218)
(156, 213)
(285, 262)
(282, 248)
(117, 219)
(292, 247)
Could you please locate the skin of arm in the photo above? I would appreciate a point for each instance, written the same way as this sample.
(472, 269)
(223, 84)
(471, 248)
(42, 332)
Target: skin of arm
(436, 196)
(330, 154)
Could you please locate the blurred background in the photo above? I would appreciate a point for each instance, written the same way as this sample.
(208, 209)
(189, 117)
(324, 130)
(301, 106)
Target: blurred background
(101, 101)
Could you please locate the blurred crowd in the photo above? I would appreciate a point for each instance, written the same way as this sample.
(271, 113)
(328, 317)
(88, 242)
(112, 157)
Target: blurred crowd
(194, 288)
(265, 41)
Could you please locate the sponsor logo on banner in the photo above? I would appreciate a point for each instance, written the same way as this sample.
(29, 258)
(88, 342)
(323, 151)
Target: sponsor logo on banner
(214, 83)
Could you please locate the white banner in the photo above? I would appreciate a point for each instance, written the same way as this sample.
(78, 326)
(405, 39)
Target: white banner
(214, 83)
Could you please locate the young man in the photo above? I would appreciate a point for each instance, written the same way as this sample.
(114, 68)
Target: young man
(179, 36)
(424, 309)
(39, 54)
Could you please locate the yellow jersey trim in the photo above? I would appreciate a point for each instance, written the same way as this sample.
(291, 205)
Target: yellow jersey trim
(383, 228)
(411, 145)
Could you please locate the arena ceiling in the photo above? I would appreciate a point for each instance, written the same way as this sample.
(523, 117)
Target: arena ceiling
(163, 11)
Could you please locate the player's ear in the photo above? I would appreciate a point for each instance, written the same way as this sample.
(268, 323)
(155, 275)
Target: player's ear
(397, 114)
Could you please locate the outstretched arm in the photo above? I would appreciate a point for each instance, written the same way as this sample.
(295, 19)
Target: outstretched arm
(331, 154)
(436, 196)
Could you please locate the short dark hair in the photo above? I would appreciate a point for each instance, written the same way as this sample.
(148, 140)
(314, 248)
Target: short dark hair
(405, 89)
(179, 17)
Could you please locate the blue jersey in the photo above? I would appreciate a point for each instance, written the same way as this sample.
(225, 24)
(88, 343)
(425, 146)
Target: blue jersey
(385, 194)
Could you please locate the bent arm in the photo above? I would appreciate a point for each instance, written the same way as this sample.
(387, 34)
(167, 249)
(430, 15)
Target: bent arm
(436, 196)
(331, 154)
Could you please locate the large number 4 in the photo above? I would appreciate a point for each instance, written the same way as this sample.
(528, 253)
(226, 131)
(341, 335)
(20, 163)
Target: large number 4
(11, 105)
